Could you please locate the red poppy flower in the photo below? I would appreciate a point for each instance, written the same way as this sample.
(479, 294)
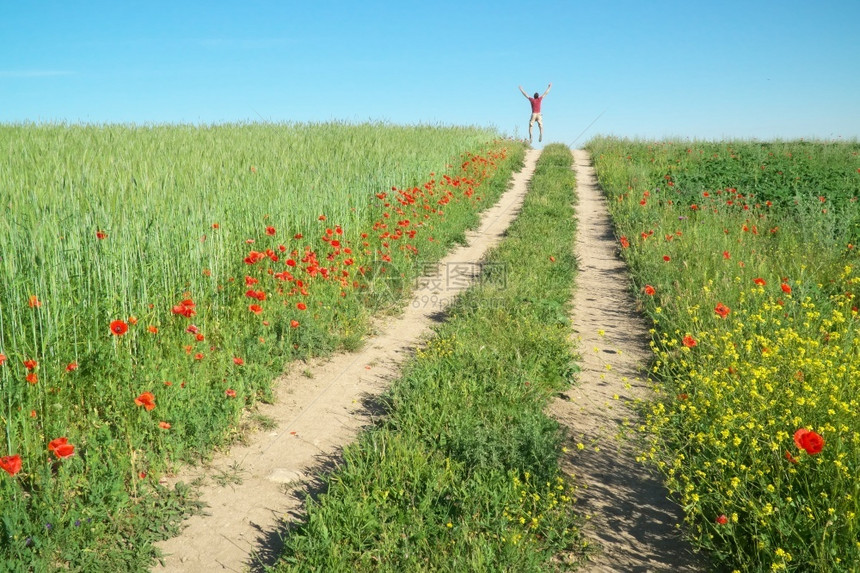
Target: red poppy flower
(667, 258)
(199, 337)
(301, 306)
(2, 359)
(72, 366)
(722, 310)
(164, 425)
(649, 290)
(249, 281)
(759, 281)
(722, 520)
(118, 327)
(32, 378)
(34, 301)
(726, 255)
(808, 440)
(238, 360)
(321, 217)
(230, 393)
(257, 294)
(255, 308)
(11, 464)
(624, 242)
(790, 457)
(30, 364)
(294, 323)
(215, 225)
(152, 329)
(185, 308)
(101, 235)
(198, 356)
(64, 451)
(270, 231)
(147, 400)
(192, 329)
(785, 288)
(689, 341)
(61, 448)
(53, 444)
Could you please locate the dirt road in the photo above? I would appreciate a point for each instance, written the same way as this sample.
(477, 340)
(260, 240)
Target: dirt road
(631, 523)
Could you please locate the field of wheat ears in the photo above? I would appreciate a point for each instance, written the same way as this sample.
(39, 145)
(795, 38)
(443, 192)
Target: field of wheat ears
(154, 280)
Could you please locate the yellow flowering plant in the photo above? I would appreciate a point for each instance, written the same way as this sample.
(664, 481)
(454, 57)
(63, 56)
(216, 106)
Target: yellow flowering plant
(752, 288)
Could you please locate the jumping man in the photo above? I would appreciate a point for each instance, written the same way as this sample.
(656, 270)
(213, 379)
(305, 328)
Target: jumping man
(536, 117)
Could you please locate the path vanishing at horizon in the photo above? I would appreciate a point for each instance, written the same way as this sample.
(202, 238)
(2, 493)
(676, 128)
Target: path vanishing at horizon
(321, 406)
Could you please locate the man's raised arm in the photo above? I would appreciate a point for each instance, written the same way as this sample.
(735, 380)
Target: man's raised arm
(524, 92)
(547, 89)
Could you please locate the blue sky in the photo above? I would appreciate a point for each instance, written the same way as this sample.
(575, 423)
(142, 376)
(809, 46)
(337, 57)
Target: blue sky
(715, 70)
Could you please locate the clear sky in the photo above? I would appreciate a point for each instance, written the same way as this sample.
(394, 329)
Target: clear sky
(705, 70)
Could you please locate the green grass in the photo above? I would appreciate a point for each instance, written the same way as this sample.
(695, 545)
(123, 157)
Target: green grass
(463, 475)
(323, 224)
(766, 232)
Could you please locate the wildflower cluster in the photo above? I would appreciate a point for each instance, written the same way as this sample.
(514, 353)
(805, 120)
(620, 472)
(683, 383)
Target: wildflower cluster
(756, 347)
(526, 520)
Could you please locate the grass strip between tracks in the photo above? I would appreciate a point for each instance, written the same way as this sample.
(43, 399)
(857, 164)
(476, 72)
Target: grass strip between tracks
(463, 472)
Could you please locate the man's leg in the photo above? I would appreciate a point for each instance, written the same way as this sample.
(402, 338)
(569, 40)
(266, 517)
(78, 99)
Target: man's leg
(531, 123)
(540, 128)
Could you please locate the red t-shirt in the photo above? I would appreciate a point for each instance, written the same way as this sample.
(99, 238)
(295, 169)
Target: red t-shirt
(535, 101)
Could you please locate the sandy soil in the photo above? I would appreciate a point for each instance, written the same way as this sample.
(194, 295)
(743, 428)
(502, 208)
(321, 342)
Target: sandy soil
(632, 522)
(320, 407)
